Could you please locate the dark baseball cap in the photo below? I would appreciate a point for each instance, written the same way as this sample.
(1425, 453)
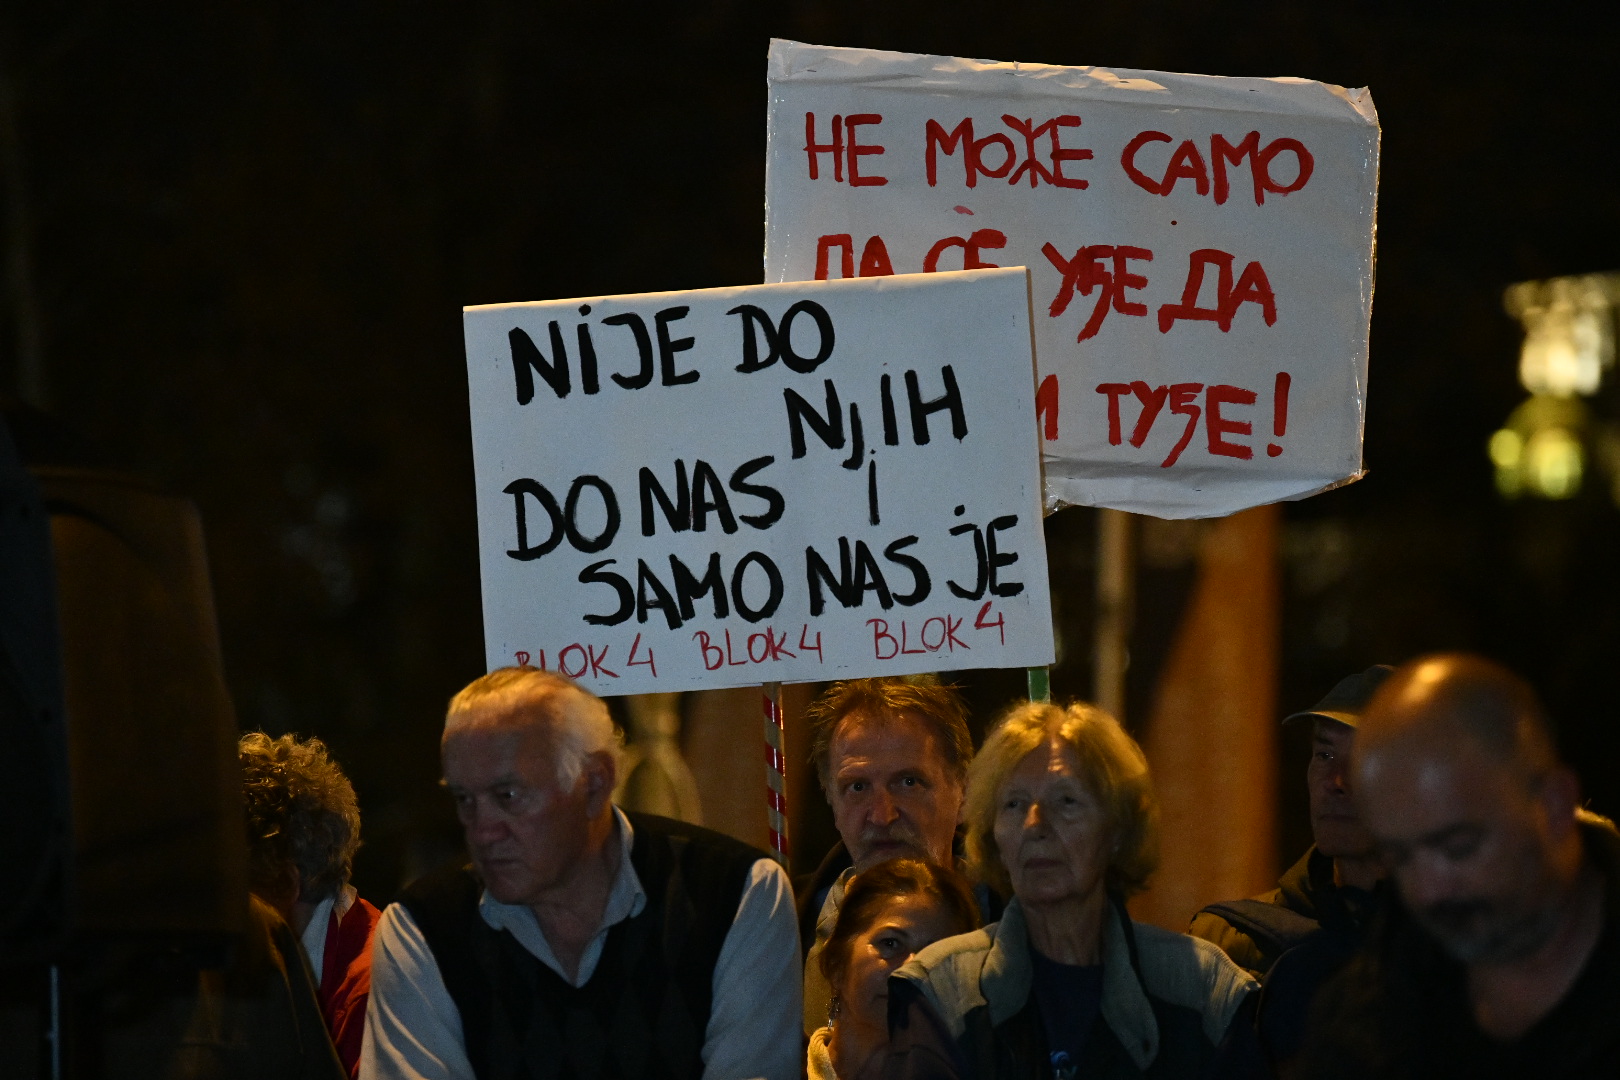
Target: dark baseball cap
(1348, 697)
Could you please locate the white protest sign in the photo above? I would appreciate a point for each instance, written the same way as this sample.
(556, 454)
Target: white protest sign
(796, 482)
(1201, 251)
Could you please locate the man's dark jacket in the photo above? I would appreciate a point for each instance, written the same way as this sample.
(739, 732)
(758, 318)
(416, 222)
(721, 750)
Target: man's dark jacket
(1309, 900)
(1401, 1009)
(1293, 939)
(811, 890)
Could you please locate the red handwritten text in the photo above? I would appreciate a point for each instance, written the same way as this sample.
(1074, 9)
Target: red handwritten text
(1183, 399)
(1186, 163)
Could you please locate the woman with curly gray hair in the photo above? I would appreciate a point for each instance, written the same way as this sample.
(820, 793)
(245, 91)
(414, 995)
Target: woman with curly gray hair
(303, 828)
(1061, 818)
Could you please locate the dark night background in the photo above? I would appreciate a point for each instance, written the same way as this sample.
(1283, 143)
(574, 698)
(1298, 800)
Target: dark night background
(238, 238)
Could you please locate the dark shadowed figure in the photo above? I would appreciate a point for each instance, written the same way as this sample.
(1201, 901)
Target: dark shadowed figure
(1295, 937)
(1502, 955)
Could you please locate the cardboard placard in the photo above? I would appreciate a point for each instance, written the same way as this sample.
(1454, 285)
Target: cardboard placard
(1201, 251)
(795, 482)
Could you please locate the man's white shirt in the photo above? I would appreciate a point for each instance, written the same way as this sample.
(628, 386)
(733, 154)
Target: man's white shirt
(413, 1028)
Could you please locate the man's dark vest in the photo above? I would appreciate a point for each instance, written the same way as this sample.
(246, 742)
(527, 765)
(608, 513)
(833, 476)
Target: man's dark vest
(645, 1010)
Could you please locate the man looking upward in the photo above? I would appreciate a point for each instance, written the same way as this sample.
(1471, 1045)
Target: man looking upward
(892, 757)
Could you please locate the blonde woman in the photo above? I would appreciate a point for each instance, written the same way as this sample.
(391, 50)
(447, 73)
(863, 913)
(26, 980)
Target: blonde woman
(1061, 818)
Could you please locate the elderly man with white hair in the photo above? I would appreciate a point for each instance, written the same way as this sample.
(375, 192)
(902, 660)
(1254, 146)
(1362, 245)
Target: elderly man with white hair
(584, 940)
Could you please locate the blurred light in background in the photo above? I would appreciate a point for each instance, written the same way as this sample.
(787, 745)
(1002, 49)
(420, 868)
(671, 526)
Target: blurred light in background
(1550, 441)
(1568, 332)
(1539, 451)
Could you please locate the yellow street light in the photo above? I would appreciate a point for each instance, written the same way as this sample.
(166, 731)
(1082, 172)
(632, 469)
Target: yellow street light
(1568, 322)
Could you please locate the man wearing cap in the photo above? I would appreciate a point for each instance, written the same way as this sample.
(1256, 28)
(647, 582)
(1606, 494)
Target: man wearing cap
(1299, 934)
(1332, 885)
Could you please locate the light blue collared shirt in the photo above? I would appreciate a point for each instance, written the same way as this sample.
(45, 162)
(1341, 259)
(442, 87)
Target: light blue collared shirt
(625, 900)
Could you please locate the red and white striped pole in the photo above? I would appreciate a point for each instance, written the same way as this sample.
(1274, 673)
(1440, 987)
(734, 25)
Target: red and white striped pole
(775, 771)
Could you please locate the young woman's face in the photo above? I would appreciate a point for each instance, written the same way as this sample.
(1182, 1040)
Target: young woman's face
(903, 925)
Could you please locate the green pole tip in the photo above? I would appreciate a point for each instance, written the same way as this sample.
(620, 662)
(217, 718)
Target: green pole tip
(1040, 684)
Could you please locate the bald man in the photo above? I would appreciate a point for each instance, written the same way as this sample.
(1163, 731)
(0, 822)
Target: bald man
(583, 941)
(1502, 955)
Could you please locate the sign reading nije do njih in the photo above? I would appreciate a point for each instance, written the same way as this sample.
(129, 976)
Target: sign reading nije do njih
(1201, 251)
(772, 483)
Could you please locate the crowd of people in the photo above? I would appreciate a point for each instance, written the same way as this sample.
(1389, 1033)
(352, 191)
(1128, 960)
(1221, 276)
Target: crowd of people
(1456, 915)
